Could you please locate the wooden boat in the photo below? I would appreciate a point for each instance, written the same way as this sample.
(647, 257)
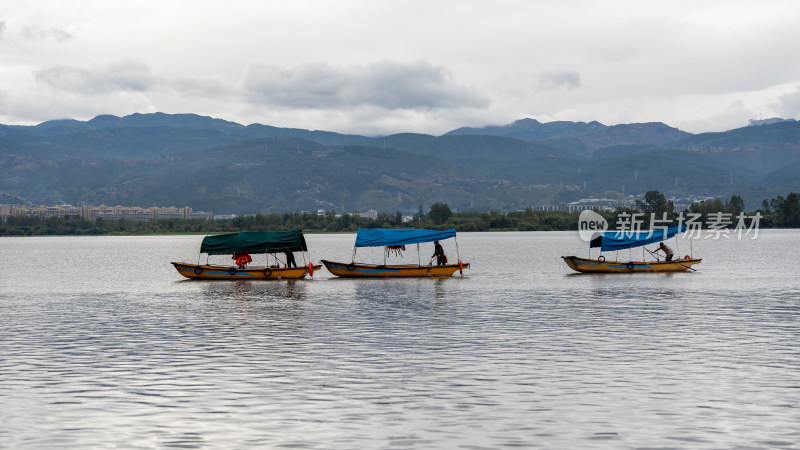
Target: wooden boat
(270, 243)
(396, 239)
(618, 240)
(357, 270)
(213, 272)
(600, 265)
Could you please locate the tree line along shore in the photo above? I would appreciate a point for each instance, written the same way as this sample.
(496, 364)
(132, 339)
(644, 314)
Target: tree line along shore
(779, 212)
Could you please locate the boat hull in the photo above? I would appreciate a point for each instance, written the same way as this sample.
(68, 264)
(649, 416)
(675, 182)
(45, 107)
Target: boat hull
(211, 272)
(357, 270)
(584, 265)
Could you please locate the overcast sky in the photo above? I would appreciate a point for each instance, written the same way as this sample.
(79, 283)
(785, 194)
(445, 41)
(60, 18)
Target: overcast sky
(383, 67)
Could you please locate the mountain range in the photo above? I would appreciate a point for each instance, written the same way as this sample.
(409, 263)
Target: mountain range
(213, 164)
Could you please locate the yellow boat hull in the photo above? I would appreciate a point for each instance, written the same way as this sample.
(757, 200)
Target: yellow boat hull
(357, 270)
(584, 265)
(211, 272)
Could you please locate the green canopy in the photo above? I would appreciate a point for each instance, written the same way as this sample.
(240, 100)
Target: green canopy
(254, 242)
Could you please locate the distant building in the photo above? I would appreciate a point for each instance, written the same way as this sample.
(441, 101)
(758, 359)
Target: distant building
(593, 204)
(105, 212)
(205, 215)
(683, 204)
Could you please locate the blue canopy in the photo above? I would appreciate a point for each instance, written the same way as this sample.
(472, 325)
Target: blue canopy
(380, 237)
(619, 240)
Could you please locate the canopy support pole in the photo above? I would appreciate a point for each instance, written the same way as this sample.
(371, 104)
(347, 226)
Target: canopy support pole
(354, 255)
(419, 261)
(458, 256)
(385, 252)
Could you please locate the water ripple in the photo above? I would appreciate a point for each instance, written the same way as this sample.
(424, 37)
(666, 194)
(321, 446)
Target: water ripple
(530, 358)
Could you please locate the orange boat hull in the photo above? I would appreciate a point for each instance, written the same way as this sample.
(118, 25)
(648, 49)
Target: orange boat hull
(357, 270)
(584, 265)
(211, 272)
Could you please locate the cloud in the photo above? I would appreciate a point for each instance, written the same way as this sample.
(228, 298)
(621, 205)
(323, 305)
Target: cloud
(30, 108)
(206, 86)
(118, 76)
(43, 34)
(734, 115)
(565, 79)
(2, 28)
(315, 95)
(389, 85)
(788, 105)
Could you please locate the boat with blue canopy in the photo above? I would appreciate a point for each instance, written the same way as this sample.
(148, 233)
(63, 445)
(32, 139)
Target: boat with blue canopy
(394, 242)
(613, 241)
(277, 246)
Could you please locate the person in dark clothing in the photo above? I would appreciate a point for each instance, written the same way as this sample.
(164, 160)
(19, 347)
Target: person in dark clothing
(667, 251)
(438, 252)
(290, 262)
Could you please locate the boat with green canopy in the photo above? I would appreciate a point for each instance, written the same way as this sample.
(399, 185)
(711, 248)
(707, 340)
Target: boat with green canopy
(277, 246)
(394, 241)
(609, 241)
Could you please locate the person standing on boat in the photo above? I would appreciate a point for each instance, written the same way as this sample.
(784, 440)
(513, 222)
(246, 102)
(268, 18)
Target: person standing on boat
(438, 252)
(290, 262)
(667, 251)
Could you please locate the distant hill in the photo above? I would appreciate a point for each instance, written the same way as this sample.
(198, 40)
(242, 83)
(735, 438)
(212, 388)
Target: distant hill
(208, 163)
(787, 177)
(754, 122)
(623, 150)
(533, 130)
(7, 146)
(277, 174)
(494, 157)
(140, 121)
(145, 136)
(764, 147)
(287, 174)
(655, 133)
(675, 171)
(580, 137)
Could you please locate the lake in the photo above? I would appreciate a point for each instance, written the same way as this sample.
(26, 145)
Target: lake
(104, 345)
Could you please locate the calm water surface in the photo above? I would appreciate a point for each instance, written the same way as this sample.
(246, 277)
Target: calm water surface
(104, 345)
